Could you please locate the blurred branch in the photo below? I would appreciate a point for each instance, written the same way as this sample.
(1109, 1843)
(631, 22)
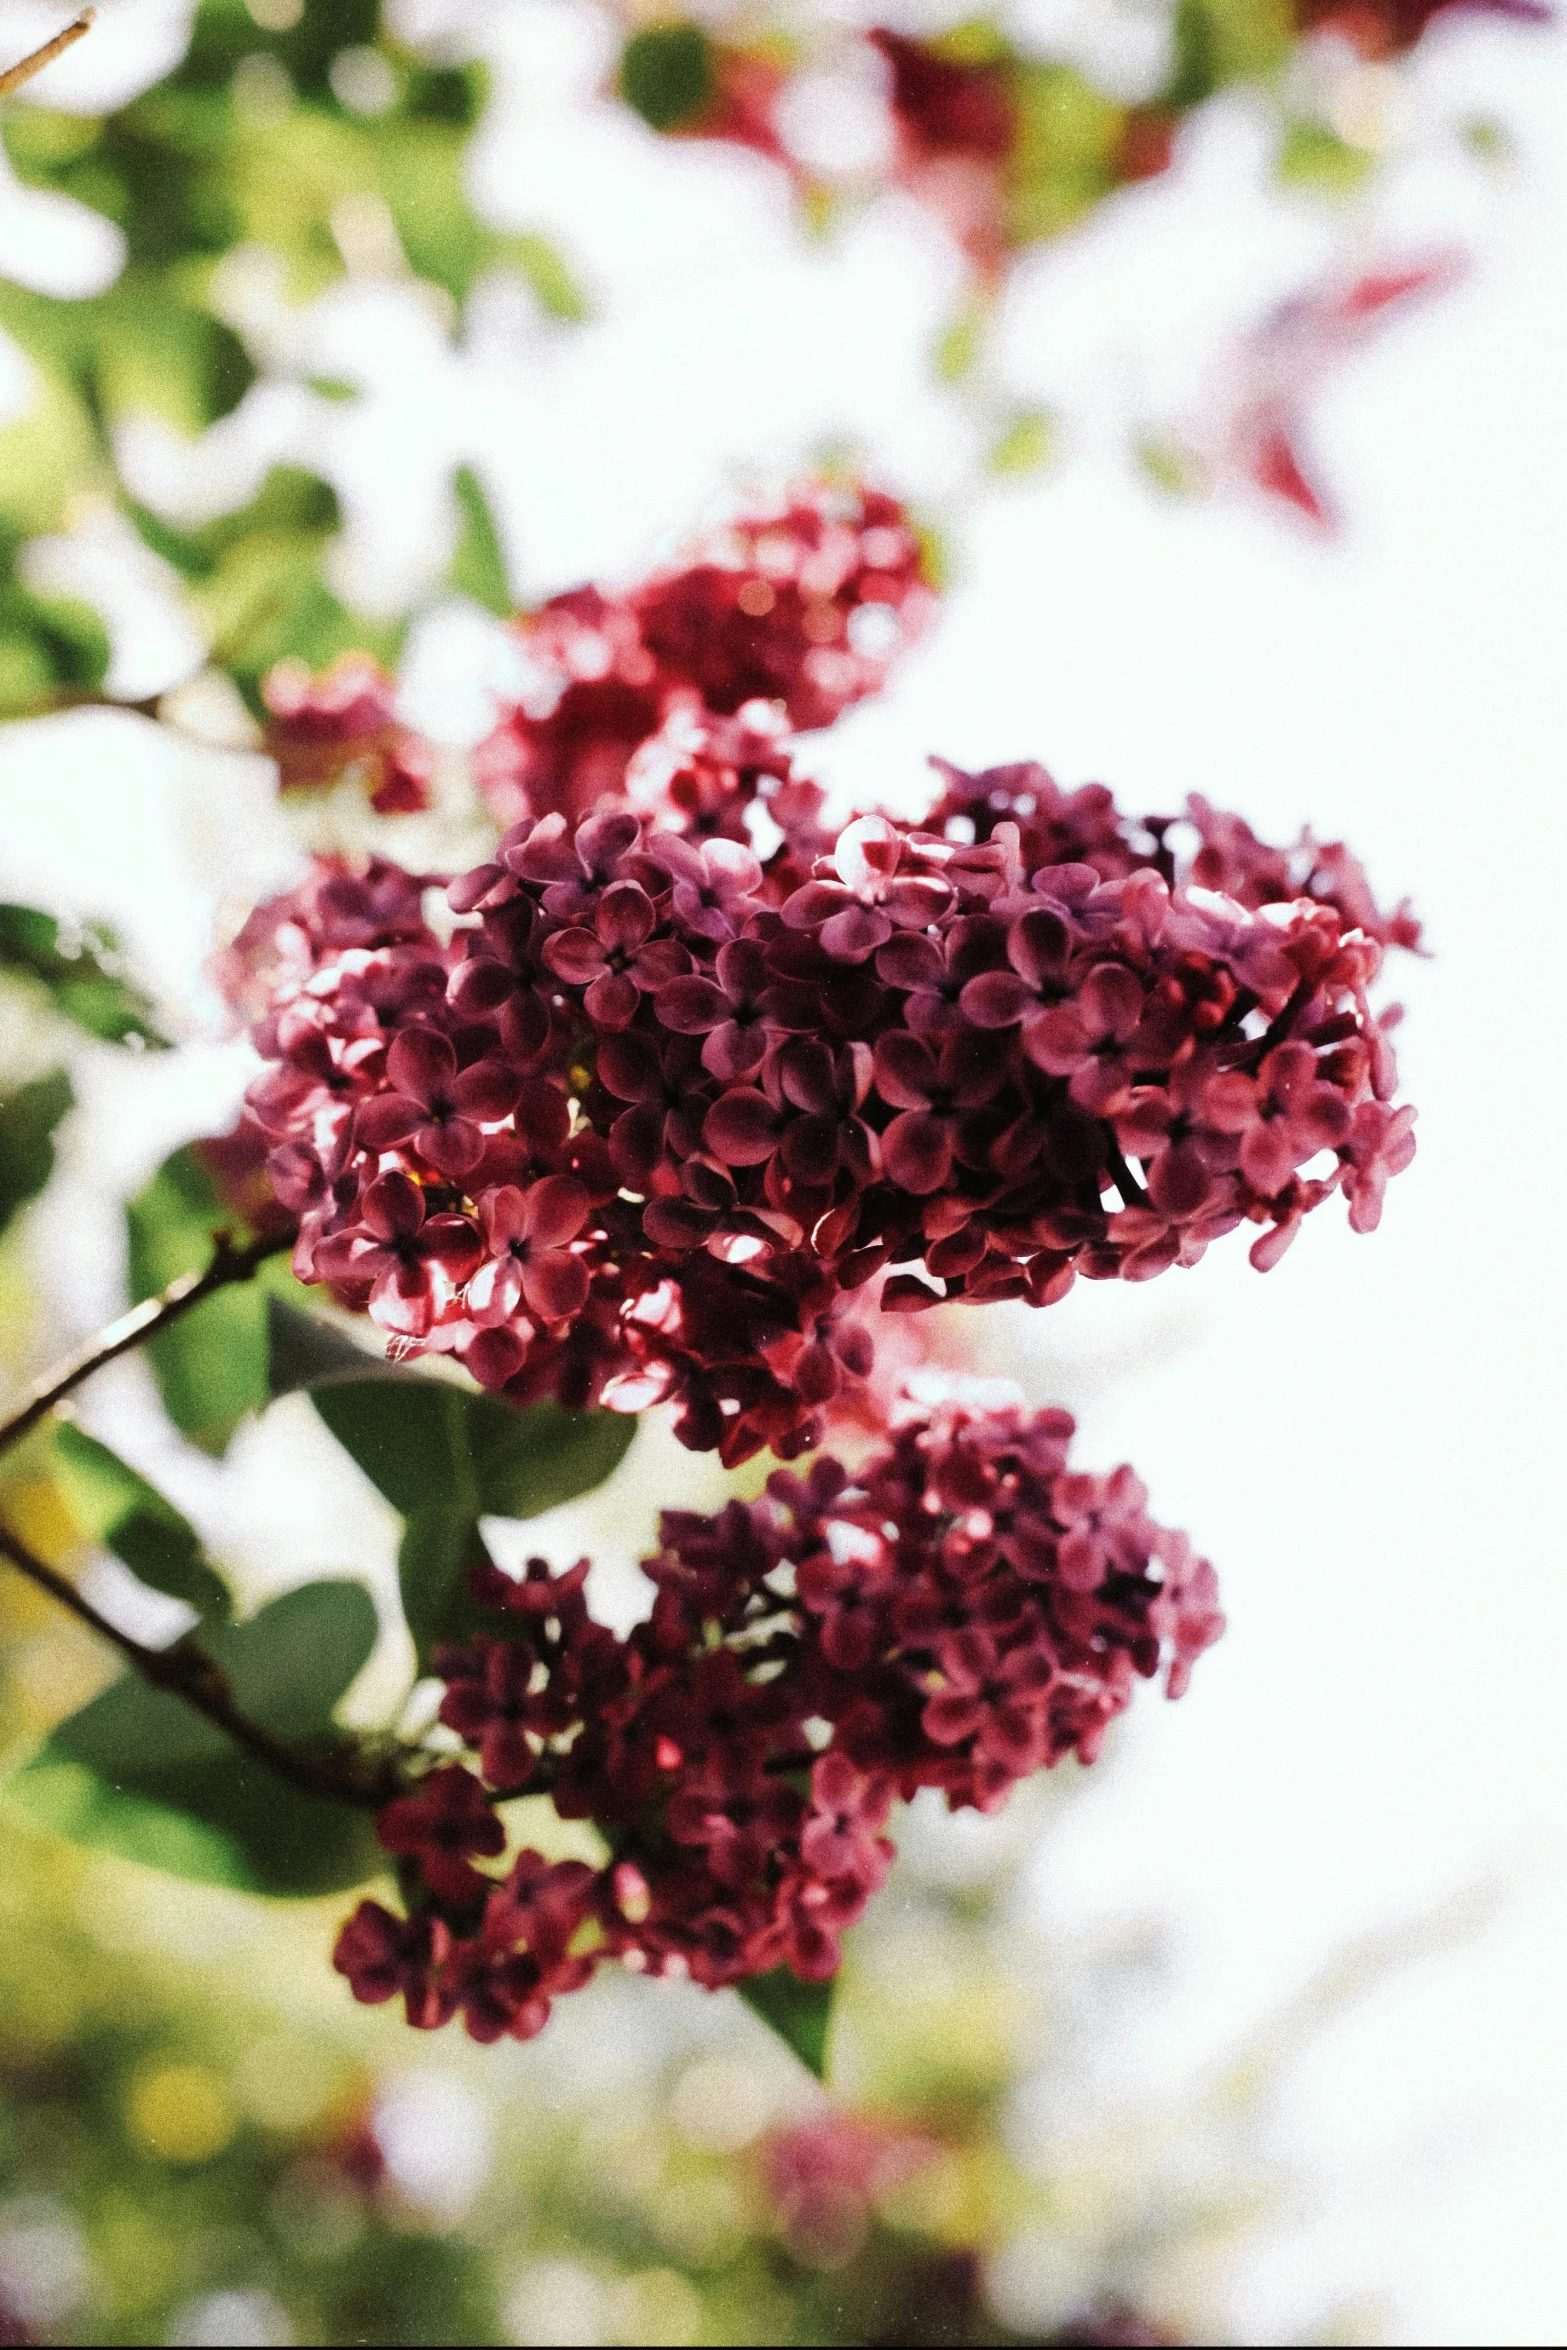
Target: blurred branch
(15, 75)
(186, 1671)
(80, 698)
(229, 1264)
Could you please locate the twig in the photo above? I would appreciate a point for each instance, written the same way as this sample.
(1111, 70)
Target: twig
(15, 75)
(229, 1264)
(1126, 1183)
(72, 697)
(186, 1671)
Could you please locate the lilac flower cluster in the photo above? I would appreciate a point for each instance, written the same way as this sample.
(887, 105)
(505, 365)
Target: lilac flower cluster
(780, 619)
(649, 1120)
(961, 1613)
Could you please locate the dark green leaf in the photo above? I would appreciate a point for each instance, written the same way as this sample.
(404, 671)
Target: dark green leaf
(303, 1351)
(666, 73)
(212, 1365)
(117, 1508)
(429, 1445)
(444, 1458)
(438, 1550)
(479, 567)
(28, 1119)
(139, 1773)
(1218, 42)
(81, 971)
(50, 646)
(800, 2013)
(450, 93)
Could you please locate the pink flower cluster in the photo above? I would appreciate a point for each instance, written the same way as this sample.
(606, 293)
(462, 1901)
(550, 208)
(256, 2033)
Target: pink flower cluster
(344, 722)
(963, 1612)
(646, 1124)
(778, 620)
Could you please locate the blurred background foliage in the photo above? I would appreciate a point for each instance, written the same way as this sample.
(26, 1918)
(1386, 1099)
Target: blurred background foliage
(203, 2141)
(301, 140)
(294, 141)
(200, 2139)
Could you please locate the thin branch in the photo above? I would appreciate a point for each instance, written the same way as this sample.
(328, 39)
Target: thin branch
(15, 75)
(1278, 1027)
(1126, 1183)
(187, 1672)
(73, 697)
(229, 1264)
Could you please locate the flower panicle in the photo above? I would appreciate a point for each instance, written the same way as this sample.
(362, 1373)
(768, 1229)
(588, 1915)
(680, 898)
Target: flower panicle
(961, 1611)
(658, 1121)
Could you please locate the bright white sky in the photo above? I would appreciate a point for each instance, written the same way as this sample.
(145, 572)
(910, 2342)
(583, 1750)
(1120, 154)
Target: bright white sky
(1362, 1439)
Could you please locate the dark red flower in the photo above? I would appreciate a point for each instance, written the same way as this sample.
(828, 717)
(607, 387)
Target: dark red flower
(446, 1819)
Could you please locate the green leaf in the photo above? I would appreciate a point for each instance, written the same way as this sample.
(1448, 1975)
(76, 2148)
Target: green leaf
(428, 1444)
(548, 272)
(666, 74)
(1063, 159)
(444, 1458)
(80, 969)
(1026, 445)
(119, 1510)
(438, 1550)
(1312, 156)
(303, 1351)
(139, 1773)
(49, 645)
(800, 2013)
(961, 344)
(28, 1119)
(212, 1365)
(479, 566)
(1222, 41)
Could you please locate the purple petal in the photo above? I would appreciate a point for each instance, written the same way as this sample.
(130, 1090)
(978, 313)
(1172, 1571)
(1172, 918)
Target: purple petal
(630, 1067)
(910, 961)
(996, 999)
(917, 1152)
(421, 1063)
(691, 1007)
(1055, 1040)
(813, 903)
(611, 1002)
(393, 1207)
(453, 1147)
(623, 916)
(855, 934)
(555, 1210)
(390, 1118)
(741, 1128)
(575, 956)
(1038, 945)
(905, 1070)
(555, 1285)
(488, 1091)
(1178, 1182)
(733, 1051)
(1111, 1000)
